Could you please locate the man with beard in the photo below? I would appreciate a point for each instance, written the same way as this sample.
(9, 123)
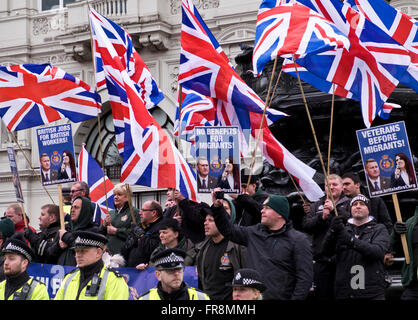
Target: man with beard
(169, 272)
(49, 224)
(18, 284)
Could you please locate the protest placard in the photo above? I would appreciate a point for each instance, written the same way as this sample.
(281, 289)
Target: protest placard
(15, 175)
(56, 154)
(217, 159)
(387, 159)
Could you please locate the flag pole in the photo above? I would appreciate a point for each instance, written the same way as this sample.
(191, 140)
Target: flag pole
(131, 209)
(329, 196)
(262, 122)
(178, 143)
(399, 219)
(61, 207)
(98, 116)
(30, 164)
(330, 127)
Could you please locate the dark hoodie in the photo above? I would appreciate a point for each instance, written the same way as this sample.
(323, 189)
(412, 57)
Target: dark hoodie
(84, 222)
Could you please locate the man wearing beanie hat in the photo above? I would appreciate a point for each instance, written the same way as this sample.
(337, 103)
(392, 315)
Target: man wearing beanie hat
(92, 280)
(18, 284)
(360, 247)
(169, 272)
(247, 285)
(274, 248)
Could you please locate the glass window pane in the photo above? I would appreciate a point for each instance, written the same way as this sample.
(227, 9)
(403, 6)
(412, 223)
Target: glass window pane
(67, 2)
(50, 4)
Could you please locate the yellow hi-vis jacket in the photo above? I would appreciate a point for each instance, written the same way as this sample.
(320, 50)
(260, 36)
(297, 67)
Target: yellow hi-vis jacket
(112, 287)
(37, 290)
(193, 295)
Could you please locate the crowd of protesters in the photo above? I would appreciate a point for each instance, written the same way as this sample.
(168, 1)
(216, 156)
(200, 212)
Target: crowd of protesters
(244, 246)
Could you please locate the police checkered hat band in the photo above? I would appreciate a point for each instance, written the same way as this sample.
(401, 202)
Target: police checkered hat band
(248, 278)
(87, 239)
(169, 259)
(17, 244)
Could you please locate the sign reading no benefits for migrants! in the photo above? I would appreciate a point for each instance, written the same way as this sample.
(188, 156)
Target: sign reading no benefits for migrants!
(387, 159)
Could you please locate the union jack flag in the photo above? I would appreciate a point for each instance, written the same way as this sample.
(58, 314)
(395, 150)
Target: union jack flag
(136, 68)
(89, 171)
(370, 70)
(205, 69)
(149, 157)
(399, 26)
(196, 110)
(292, 30)
(37, 94)
(288, 66)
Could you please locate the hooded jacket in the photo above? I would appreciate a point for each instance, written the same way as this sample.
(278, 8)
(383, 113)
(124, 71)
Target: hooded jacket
(84, 222)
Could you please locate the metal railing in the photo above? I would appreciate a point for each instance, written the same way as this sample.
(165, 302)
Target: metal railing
(110, 7)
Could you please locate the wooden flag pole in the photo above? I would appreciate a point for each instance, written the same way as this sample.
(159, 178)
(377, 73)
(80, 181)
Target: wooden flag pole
(30, 164)
(262, 122)
(98, 116)
(297, 189)
(399, 219)
(131, 209)
(330, 128)
(61, 207)
(24, 215)
(329, 196)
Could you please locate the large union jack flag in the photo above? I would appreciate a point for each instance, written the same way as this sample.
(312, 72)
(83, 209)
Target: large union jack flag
(401, 27)
(89, 171)
(149, 157)
(370, 69)
(292, 30)
(33, 95)
(205, 69)
(136, 68)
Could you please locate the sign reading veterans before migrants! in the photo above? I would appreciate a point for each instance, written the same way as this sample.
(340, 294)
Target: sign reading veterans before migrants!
(387, 159)
(217, 159)
(56, 154)
(15, 175)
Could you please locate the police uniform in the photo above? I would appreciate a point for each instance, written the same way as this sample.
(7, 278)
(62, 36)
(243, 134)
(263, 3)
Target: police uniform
(105, 283)
(172, 259)
(22, 286)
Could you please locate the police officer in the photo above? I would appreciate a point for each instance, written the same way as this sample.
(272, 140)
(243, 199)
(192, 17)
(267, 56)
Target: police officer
(92, 280)
(247, 285)
(18, 284)
(169, 272)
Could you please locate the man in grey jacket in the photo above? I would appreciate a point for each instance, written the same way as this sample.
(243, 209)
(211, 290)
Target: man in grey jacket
(281, 254)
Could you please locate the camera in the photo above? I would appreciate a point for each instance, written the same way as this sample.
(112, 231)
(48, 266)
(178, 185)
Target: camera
(219, 195)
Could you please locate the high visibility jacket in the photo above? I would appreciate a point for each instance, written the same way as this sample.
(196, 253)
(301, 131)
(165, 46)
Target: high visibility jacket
(194, 294)
(112, 287)
(35, 291)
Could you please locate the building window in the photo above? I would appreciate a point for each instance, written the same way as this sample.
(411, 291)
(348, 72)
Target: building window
(54, 4)
(139, 198)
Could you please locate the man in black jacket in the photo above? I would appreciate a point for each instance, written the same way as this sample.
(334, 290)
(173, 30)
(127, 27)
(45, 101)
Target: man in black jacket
(40, 242)
(217, 259)
(189, 214)
(360, 247)
(145, 236)
(316, 223)
(281, 254)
